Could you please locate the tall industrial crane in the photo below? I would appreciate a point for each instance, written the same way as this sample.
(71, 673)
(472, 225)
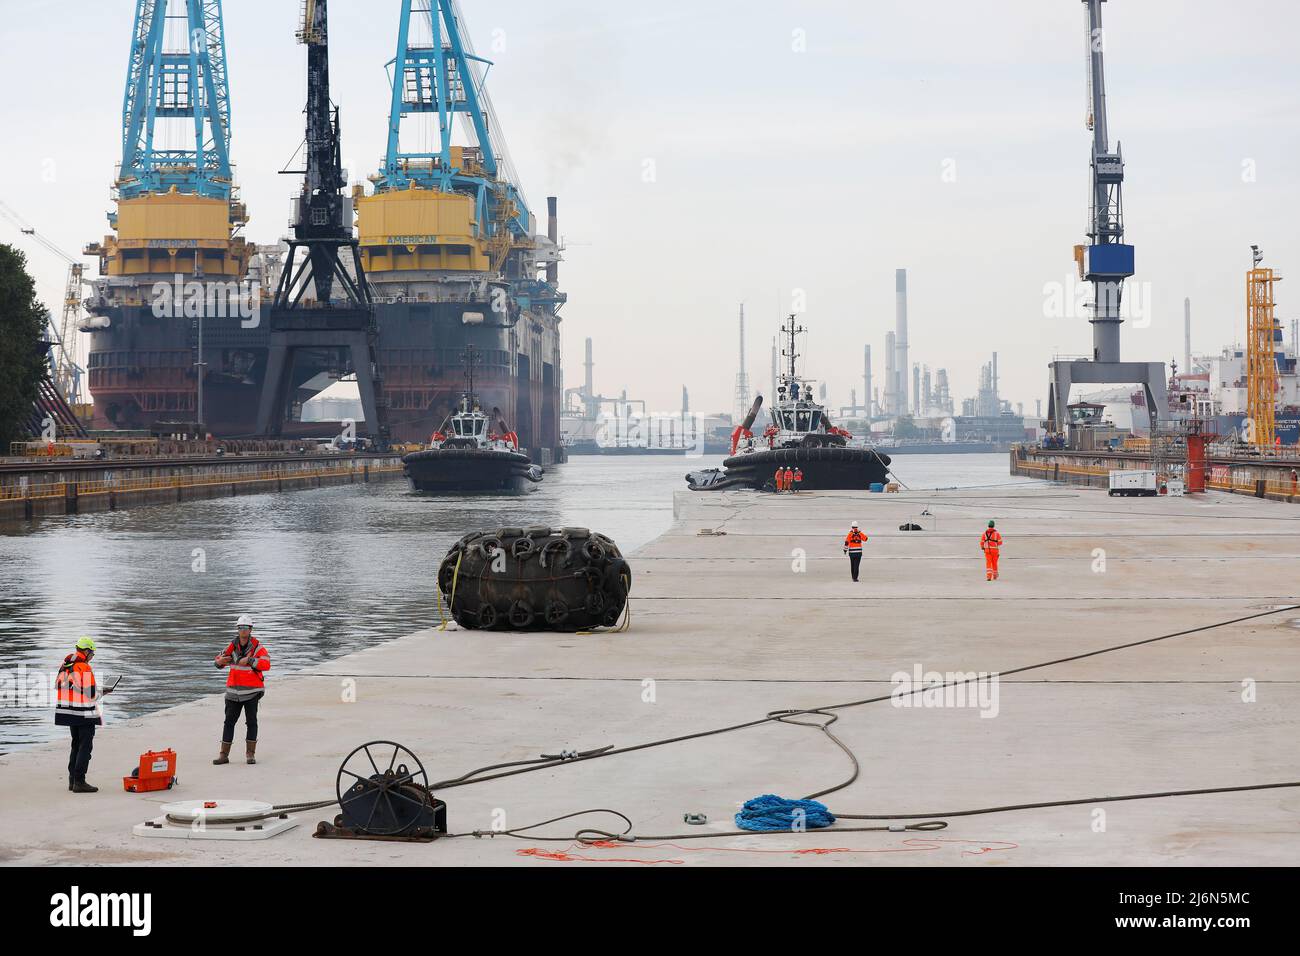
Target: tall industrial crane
(322, 230)
(1105, 262)
(67, 371)
(1263, 335)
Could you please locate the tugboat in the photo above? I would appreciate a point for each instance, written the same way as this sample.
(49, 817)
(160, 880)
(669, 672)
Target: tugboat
(801, 436)
(467, 453)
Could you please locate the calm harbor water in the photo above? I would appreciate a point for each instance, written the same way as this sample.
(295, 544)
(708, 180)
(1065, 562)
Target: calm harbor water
(322, 572)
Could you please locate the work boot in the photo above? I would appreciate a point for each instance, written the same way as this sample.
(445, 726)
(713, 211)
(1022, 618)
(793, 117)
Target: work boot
(224, 756)
(80, 786)
(250, 751)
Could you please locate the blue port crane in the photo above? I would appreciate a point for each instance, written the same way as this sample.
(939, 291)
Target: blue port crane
(436, 71)
(1108, 261)
(177, 71)
(1105, 262)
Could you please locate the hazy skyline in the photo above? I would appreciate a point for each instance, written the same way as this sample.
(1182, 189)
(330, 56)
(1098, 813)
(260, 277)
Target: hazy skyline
(705, 155)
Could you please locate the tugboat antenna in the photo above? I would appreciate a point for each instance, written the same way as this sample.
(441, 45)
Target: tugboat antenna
(791, 331)
(468, 358)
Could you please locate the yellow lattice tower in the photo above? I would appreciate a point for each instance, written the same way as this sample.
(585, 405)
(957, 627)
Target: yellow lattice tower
(1261, 345)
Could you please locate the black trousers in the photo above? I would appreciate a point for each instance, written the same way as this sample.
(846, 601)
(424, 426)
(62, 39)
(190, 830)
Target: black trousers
(233, 707)
(855, 560)
(83, 742)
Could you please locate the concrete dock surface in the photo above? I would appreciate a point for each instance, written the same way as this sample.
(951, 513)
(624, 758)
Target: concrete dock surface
(727, 627)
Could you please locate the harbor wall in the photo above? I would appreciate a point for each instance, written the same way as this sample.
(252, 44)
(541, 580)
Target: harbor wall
(1261, 478)
(113, 486)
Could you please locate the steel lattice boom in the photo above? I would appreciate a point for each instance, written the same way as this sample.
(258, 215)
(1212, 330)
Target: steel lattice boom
(177, 72)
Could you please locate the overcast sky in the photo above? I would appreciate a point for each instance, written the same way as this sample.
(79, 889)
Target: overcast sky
(708, 153)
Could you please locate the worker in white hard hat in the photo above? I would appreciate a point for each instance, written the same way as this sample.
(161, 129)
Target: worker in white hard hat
(853, 548)
(248, 661)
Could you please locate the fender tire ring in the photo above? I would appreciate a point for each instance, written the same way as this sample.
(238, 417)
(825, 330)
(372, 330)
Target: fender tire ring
(485, 544)
(521, 615)
(557, 612)
(487, 616)
(522, 547)
(594, 551)
(609, 617)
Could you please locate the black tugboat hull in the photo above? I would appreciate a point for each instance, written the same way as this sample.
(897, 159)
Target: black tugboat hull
(826, 468)
(469, 469)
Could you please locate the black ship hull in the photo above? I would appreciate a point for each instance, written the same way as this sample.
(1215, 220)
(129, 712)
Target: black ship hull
(825, 468)
(142, 370)
(437, 470)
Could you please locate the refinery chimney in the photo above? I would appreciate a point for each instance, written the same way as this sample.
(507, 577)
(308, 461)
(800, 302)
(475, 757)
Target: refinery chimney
(900, 341)
(891, 376)
(866, 379)
(588, 391)
(552, 233)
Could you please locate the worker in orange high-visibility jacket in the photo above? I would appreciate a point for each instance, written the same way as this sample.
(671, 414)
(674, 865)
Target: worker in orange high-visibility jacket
(798, 478)
(789, 478)
(779, 478)
(991, 544)
(853, 548)
(248, 661)
(77, 708)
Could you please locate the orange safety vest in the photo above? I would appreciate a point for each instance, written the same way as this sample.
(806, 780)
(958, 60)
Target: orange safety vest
(798, 476)
(76, 704)
(780, 479)
(990, 540)
(245, 681)
(854, 540)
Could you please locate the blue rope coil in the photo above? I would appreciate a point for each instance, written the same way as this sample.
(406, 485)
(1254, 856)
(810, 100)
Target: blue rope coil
(770, 812)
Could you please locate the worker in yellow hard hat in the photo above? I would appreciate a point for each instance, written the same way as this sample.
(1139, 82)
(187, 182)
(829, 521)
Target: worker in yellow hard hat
(77, 708)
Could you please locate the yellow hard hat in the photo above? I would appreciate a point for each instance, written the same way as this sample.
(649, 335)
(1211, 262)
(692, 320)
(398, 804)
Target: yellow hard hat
(85, 644)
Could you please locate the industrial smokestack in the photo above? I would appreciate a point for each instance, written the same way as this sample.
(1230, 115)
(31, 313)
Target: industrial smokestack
(588, 391)
(891, 375)
(866, 378)
(996, 393)
(916, 389)
(552, 233)
(686, 401)
(1187, 336)
(900, 339)
(772, 394)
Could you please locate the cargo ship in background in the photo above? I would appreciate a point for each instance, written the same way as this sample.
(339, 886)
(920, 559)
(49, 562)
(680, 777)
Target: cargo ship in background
(447, 240)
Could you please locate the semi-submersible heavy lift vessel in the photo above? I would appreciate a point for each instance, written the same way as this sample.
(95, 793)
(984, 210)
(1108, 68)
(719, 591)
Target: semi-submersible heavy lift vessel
(446, 242)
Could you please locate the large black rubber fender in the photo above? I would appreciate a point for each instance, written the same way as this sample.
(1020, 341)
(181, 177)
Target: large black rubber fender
(535, 578)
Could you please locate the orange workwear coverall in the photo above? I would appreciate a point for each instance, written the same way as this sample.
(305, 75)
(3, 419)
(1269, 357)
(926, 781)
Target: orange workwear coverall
(991, 544)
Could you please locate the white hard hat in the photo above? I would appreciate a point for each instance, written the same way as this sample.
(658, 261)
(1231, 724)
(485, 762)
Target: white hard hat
(855, 524)
(244, 621)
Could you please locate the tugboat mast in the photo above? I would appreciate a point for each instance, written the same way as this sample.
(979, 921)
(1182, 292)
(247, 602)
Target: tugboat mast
(468, 358)
(790, 352)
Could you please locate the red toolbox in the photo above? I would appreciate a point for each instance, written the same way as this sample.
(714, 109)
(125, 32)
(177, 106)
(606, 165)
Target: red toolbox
(157, 771)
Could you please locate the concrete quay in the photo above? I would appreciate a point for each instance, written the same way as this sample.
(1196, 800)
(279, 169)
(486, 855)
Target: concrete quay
(727, 627)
